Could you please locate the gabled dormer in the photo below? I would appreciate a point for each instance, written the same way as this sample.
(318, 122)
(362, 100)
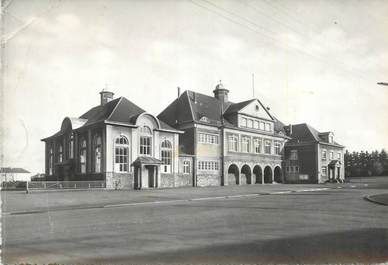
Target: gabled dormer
(252, 115)
(327, 137)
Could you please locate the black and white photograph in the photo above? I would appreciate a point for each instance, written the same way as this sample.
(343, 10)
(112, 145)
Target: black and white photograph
(194, 131)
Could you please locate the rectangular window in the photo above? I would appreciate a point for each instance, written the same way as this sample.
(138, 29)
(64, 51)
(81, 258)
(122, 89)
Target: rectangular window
(250, 123)
(233, 143)
(268, 127)
(324, 171)
(257, 146)
(121, 159)
(243, 122)
(331, 155)
(205, 138)
(277, 148)
(262, 126)
(324, 155)
(245, 144)
(256, 124)
(339, 156)
(294, 155)
(267, 146)
(186, 167)
(145, 145)
(208, 165)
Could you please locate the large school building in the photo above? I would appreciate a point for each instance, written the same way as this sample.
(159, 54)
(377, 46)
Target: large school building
(197, 140)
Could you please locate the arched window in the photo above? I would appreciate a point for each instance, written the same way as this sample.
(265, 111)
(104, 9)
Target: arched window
(82, 155)
(51, 161)
(121, 154)
(166, 155)
(70, 148)
(60, 153)
(145, 140)
(97, 153)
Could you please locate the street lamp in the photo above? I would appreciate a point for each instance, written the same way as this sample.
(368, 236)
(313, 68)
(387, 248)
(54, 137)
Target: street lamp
(382, 83)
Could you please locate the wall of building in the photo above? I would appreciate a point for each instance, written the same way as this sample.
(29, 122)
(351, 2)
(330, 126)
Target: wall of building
(325, 162)
(307, 159)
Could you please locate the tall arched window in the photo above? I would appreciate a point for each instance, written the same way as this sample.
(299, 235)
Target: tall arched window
(166, 155)
(97, 153)
(70, 148)
(121, 154)
(51, 161)
(60, 153)
(145, 140)
(82, 155)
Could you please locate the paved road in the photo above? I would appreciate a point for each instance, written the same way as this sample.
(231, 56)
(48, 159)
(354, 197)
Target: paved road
(270, 224)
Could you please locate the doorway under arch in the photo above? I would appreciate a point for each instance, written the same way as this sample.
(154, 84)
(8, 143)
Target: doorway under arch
(278, 175)
(246, 175)
(258, 174)
(233, 175)
(267, 174)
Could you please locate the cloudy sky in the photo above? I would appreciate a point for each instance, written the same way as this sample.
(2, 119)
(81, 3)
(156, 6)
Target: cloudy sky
(314, 61)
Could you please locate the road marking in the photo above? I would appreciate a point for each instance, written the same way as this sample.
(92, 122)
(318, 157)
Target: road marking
(353, 186)
(169, 201)
(339, 187)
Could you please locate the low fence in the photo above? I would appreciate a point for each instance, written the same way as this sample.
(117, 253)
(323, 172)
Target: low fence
(62, 185)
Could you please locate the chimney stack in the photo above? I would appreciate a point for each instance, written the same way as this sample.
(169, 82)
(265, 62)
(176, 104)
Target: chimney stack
(179, 91)
(290, 129)
(106, 96)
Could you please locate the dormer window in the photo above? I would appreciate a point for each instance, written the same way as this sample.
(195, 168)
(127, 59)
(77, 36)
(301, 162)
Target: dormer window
(331, 139)
(257, 108)
(204, 119)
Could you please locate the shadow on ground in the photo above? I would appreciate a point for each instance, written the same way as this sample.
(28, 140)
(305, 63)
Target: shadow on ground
(362, 246)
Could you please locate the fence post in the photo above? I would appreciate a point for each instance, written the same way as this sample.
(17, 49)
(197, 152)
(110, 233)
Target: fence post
(27, 187)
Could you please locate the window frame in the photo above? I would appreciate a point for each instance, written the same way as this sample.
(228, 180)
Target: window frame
(166, 156)
(83, 153)
(121, 154)
(266, 145)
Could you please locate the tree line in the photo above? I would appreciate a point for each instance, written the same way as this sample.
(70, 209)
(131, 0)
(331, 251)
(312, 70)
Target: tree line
(363, 164)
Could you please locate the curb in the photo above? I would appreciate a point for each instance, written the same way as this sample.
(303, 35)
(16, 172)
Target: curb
(369, 199)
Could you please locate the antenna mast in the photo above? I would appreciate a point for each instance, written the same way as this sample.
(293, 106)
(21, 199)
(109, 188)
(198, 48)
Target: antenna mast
(253, 85)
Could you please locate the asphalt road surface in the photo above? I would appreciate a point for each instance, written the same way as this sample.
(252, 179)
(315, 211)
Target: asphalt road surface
(222, 225)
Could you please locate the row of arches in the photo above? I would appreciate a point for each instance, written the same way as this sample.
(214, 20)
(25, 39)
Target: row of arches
(255, 176)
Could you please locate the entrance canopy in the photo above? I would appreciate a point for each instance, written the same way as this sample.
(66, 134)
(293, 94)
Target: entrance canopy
(146, 160)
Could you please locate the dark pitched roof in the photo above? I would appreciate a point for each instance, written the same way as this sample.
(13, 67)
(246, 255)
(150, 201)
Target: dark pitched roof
(192, 106)
(179, 111)
(234, 107)
(305, 133)
(13, 170)
(117, 110)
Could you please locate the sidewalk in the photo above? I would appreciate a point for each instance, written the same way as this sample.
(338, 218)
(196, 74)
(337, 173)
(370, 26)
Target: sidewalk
(43, 201)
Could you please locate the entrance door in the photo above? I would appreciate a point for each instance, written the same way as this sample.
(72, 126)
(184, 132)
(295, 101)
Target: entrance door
(151, 176)
(144, 177)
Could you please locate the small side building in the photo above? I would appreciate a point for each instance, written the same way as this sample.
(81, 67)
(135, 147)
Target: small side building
(311, 156)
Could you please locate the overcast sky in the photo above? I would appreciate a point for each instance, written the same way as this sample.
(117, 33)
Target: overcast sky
(314, 61)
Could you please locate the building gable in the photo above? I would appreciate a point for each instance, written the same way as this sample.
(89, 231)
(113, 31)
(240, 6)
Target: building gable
(256, 109)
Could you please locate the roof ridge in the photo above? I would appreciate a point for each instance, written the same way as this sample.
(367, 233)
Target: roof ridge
(118, 103)
(191, 107)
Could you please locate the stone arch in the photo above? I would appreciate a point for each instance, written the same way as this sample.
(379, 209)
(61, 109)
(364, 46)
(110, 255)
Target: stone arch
(278, 174)
(233, 175)
(246, 175)
(258, 174)
(268, 174)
